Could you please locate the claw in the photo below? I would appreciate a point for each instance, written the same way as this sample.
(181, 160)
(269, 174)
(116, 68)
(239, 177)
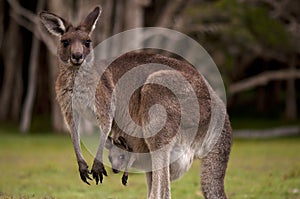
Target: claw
(101, 178)
(83, 178)
(104, 172)
(88, 177)
(95, 176)
(84, 172)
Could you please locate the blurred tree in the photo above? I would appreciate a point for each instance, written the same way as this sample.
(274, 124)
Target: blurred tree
(256, 43)
(32, 77)
(239, 33)
(11, 92)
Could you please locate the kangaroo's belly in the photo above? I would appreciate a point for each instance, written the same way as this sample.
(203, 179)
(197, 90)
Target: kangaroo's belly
(180, 162)
(84, 105)
(181, 159)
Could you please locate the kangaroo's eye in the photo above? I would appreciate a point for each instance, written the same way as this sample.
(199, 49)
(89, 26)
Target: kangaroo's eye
(109, 158)
(87, 43)
(122, 157)
(65, 42)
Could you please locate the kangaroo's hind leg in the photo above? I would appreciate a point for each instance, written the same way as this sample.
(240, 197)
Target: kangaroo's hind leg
(214, 166)
(149, 182)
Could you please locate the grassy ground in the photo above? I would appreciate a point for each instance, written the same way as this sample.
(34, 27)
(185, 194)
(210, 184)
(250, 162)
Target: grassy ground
(44, 166)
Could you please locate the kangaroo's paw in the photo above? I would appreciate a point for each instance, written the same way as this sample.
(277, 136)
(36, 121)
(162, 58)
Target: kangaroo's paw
(84, 172)
(98, 170)
(125, 178)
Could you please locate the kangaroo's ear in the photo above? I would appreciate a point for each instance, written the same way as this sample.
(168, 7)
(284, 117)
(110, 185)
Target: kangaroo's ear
(89, 23)
(53, 23)
(109, 143)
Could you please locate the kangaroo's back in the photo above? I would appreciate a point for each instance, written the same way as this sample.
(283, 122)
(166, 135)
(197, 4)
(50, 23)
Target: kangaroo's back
(157, 79)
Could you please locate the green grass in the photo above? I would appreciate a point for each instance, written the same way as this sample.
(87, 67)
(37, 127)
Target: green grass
(44, 166)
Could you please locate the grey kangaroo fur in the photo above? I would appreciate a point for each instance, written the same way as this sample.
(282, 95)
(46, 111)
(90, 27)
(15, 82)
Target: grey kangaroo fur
(81, 92)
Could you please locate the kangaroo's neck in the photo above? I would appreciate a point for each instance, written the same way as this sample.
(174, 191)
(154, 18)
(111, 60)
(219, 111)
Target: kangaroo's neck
(65, 80)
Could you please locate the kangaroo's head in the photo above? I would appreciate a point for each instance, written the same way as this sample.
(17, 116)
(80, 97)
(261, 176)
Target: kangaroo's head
(75, 41)
(119, 155)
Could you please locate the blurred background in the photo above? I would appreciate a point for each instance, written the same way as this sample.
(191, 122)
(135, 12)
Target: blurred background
(255, 44)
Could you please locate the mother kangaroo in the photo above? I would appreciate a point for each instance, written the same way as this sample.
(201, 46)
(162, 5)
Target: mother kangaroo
(170, 122)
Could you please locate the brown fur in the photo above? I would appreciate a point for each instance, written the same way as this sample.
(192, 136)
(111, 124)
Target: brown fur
(85, 92)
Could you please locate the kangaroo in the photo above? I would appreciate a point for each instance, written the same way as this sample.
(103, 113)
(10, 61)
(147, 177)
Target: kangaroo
(74, 50)
(122, 157)
(82, 92)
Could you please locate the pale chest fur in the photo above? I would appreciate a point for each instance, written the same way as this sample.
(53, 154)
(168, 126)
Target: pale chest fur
(75, 92)
(83, 100)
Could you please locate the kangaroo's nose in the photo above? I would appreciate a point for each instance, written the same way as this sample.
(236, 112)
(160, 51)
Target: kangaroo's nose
(77, 56)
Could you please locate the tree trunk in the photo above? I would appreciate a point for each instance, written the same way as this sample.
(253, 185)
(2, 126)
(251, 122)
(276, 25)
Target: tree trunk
(18, 92)
(261, 99)
(104, 26)
(169, 13)
(119, 16)
(133, 19)
(1, 23)
(11, 61)
(134, 14)
(31, 92)
(291, 98)
(263, 79)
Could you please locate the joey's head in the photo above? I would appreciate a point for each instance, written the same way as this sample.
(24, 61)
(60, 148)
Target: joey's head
(119, 153)
(75, 41)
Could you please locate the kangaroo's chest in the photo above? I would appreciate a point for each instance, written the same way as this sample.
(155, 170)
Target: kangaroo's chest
(83, 104)
(83, 100)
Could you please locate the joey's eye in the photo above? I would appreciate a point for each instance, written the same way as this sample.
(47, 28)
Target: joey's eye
(87, 43)
(122, 157)
(109, 158)
(65, 42)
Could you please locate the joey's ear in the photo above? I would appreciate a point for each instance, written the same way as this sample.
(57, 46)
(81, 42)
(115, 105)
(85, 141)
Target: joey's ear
(109, 143)
(89, 23)
(53, 23)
